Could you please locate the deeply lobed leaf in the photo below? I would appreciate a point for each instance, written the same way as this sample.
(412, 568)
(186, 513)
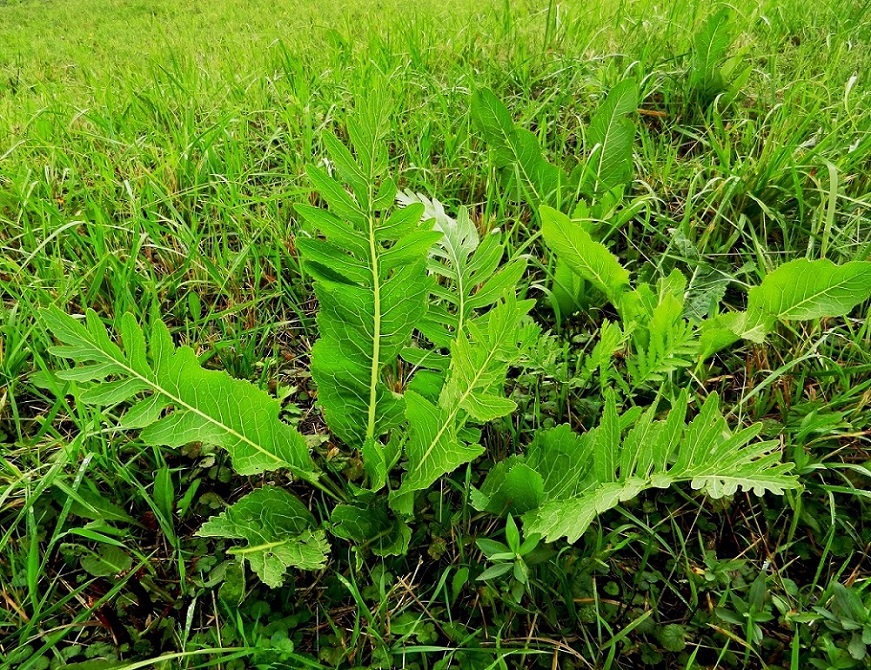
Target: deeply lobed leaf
(175, 400)
(473, 391)
(372, 288)
(581, 477)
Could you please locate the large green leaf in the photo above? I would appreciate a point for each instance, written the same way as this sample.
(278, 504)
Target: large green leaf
(609, 140)
(434, 448)
(516, 152)
(798, 290)
(804, 289)
(710, 45)
(371, 283)
(279, 532)
(473, 391)
(555, 463)
(628, 454)
(175, 401)
(589, 259)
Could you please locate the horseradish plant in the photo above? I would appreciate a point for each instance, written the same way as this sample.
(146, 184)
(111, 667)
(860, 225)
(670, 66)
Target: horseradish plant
(419, 322)
(592, 186)
(661, 337)
(381, 273)
(564, 480)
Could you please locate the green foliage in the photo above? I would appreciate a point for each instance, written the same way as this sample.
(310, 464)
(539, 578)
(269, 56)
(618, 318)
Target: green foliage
(552, 468)
(587, 258)
(847, 616)
(710, 72)
(279, 532)
(473, 391)
(672, 637)
(175, 401)
(630, 453)
(371, 283)
(664, 338)
(471, 276)
(605, 172)
(609, 141)
(516, 152)
(799, 290)
(156, 177)
(371, 526)
(107, 561)
(509, 559)
(373, 273)
(803, 289)
(710, 45)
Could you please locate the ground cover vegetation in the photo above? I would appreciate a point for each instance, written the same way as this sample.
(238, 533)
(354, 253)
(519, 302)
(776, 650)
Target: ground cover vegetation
(515, 335)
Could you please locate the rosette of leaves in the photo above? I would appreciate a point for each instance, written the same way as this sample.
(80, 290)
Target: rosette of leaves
(381, 274)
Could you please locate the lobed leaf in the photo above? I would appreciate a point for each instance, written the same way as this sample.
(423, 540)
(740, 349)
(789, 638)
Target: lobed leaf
(584, 476)
(473, 391)
(371, 283)
(176, 401)
(279, 532)
(470, 272)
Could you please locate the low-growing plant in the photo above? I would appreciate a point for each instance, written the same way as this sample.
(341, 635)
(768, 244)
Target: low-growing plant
(566, 479)
(374, 266)
(420, 320)
(655, 320)
(663, 332)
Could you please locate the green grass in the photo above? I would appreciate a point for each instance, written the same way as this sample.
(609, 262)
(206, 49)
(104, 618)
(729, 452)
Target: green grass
(150, 155)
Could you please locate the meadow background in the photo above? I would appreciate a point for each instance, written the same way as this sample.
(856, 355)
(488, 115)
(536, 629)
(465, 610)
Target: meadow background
(150, 155)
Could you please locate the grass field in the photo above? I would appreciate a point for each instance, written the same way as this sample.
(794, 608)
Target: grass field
(151, 157)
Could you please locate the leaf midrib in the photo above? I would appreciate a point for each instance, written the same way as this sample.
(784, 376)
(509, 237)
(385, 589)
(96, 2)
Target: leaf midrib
(821, 293)
(608, 289)
(157, 388)
(453, 413)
